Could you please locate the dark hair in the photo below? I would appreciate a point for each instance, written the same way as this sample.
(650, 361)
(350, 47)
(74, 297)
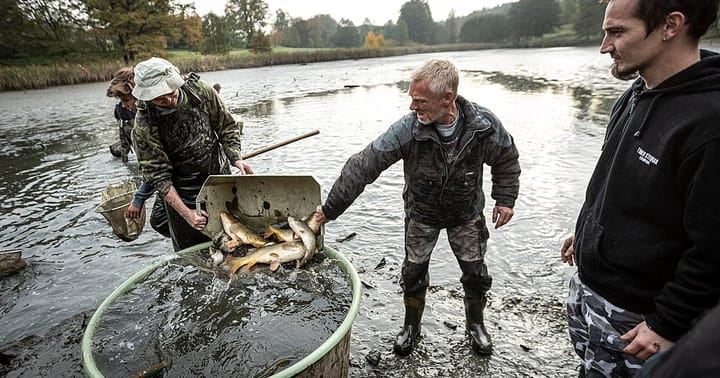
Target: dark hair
(699, 14)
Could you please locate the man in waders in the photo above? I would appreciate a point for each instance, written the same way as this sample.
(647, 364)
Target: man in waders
(183, 133)
(444, 143)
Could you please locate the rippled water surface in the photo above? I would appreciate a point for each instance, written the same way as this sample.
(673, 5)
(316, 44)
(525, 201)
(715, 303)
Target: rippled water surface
(54, 162)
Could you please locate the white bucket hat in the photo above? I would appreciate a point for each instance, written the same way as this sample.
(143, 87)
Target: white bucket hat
(155, 77)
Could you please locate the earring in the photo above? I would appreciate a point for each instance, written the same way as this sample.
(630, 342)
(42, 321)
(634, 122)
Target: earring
(664, 38)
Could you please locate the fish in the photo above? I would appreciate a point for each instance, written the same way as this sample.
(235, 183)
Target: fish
(313, 223)
(239, 233)
(274, 254)
(216, 256)
(282, 234)
(307, 236)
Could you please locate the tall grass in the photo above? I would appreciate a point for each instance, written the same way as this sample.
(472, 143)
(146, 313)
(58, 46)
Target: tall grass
(35, 76)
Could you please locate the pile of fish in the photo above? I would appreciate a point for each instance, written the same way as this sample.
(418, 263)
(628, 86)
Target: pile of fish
(276, 246)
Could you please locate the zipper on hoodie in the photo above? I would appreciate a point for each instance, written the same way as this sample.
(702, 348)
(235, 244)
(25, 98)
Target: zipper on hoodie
(623, 131)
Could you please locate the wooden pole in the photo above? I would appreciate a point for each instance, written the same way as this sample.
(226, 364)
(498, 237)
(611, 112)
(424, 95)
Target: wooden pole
(280, 144)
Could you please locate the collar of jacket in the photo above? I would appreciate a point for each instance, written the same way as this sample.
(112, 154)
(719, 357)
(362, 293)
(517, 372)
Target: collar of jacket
(476, 124)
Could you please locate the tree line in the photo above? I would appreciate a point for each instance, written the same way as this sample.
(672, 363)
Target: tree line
(134, 29)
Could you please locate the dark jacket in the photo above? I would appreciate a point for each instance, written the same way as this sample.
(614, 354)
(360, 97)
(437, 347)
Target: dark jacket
(435, 192)
(183, 147)
(648, 234)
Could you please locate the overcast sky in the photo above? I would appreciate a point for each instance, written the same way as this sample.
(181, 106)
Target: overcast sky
(377, 11)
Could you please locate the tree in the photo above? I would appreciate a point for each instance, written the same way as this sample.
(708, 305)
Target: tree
(373, 41)
(134, 26)
(246, 17)
(217, 35)
(321, 31)
(533, 18)
(588, 22)
(191, 31)
(402, 34)
(484, 28)
(259, 43)
(44, 27)
(569, 11)
(347, 34)
(417, 17)
(451, 25)
(281, 26)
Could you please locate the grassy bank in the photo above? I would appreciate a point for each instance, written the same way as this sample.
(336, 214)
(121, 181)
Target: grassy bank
(37, 76)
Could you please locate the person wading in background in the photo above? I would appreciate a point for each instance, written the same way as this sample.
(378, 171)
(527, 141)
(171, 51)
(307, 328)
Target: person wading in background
(121, 87)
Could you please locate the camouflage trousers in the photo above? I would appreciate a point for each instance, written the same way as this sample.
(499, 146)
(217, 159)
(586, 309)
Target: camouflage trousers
(468, 241)
(595, 327)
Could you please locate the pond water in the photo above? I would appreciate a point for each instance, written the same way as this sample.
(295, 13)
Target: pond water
(54, 162)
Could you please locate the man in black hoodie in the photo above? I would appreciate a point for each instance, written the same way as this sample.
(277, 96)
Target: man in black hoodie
(647, 238)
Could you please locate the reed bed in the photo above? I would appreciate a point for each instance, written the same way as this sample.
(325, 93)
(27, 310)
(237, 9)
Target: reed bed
(44, 76)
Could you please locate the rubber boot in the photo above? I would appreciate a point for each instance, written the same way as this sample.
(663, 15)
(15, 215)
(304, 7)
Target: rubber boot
(414, 307)
(479, 337)
(115, 149)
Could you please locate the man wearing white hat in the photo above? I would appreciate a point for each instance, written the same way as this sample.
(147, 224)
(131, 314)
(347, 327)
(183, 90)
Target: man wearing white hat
(183, 133)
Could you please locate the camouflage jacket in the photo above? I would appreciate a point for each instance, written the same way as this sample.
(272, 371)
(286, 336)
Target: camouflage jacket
(436, 191)
(183, 147)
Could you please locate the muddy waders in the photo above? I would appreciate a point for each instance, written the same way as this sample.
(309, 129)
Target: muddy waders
(414, 307)
(475, 325)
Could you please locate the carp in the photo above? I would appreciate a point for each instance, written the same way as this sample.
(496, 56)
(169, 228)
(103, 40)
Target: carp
(239, 233)
(274, 255)
(307, 236)
(282, 234)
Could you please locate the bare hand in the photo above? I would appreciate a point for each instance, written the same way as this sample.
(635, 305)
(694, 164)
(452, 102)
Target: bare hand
(320, 215)
(245, 169)
(501, 215)
(197, 219)
(133, 211)
(567, 251)
(644, 342)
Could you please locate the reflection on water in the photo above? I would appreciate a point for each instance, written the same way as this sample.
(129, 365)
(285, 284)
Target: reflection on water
(555, 102)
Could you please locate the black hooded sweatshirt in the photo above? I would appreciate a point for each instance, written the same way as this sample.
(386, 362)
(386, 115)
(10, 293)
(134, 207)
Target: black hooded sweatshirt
(648, 234)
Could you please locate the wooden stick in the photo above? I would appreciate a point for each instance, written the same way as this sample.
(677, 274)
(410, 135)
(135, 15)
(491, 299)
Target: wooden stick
(280, 144)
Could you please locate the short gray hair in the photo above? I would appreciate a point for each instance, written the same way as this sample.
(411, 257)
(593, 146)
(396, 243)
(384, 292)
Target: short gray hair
(441, 75)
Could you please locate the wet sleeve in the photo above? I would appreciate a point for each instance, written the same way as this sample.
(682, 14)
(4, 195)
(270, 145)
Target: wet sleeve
(503, 158)
(364, 168)
(142, 194)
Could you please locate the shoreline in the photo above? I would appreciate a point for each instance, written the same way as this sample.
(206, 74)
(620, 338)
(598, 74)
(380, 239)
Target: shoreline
(36, 76)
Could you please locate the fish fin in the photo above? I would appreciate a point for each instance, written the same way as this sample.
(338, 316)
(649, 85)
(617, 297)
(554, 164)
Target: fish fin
(268, 233)
(274, 266)
(250, 265)
(234, 267)
(232, 244)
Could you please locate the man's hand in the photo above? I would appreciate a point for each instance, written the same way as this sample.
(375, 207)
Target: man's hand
(196, 218)
(644, 342)
(245, 169)
(320, 215)
(133, 211)
(501, 215)
(567, 251)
